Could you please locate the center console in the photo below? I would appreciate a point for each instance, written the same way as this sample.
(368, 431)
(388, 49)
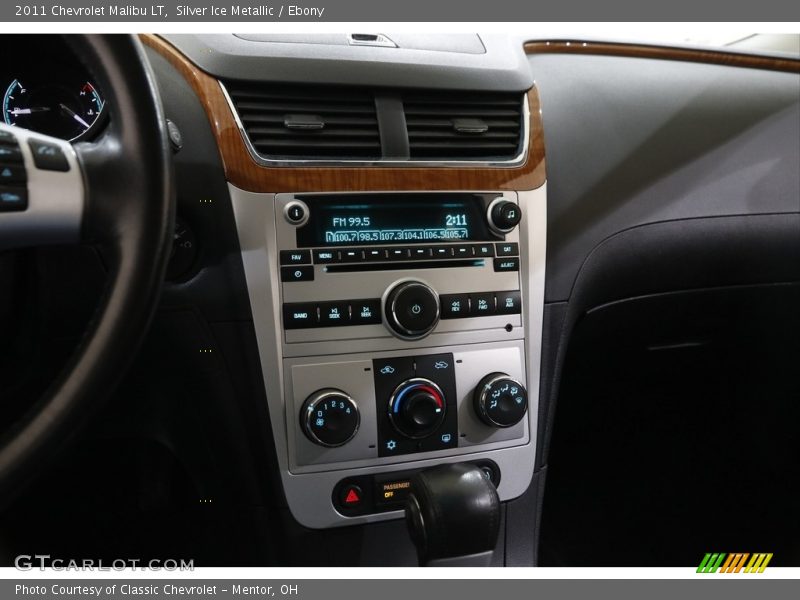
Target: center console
(397, 331)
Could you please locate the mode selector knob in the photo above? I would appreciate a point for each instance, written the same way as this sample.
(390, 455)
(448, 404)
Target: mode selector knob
(330, 418)
(503, 215)
(417, 408)
(412, 310)
(500, 401)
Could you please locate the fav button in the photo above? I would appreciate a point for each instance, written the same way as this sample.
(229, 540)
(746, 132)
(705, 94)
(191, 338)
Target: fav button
(297, 273)
(295, 257)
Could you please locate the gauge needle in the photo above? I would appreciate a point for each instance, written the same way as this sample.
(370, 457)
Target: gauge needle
(27, 111)
(74, 115)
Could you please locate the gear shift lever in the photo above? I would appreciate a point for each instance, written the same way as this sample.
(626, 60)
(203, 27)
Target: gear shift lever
(453, 515)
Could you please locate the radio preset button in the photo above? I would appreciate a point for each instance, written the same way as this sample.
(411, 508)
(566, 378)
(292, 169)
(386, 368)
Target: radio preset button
(397, 253)
(297, 273)
(455, 306)
(507, 249)
(295, 257)
(421, 253)
(462, 251)
(506, 264)
(351, 255)
(442, 252)
(375, 254)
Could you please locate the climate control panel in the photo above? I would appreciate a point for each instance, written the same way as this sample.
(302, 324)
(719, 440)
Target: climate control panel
(398, 406)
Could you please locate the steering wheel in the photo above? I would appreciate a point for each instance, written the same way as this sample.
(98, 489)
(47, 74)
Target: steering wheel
(117, 193)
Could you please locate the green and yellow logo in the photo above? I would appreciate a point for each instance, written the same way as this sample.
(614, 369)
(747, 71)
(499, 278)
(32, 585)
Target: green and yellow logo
(734, 563)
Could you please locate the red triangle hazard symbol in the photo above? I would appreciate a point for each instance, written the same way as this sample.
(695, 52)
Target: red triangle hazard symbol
(352, 496)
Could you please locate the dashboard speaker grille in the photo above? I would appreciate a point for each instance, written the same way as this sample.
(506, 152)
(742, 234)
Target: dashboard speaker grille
(308, 123)
(464, 125)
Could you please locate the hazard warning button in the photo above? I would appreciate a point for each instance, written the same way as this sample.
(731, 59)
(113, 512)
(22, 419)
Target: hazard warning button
(350, 496)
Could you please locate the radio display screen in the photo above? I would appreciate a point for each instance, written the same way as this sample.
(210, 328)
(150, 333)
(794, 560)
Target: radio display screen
(363, 219)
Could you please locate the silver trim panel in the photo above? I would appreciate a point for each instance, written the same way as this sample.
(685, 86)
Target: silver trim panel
(308, 486)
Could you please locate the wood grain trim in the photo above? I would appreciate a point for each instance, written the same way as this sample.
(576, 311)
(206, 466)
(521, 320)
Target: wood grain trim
(714, 57)
(243, 172)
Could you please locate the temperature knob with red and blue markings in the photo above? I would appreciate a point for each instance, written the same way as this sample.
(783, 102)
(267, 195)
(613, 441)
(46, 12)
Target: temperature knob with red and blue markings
(417, 408)
(500, 401)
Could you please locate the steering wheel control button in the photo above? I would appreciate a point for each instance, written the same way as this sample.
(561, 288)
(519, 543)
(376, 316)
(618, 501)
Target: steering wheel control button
(503, 215)
(417, 408)
(455, 306)
(500, 401)
(509, 303)
(412, 310)
(7, 138)
(11, 174)
(330, 418)
(299, 316)
(13, 199)
(297, 274)
(507, 249)
(175, 136)
(502, 265)
(296, 212)
(47, 156)
(295, 257)
(10, 154)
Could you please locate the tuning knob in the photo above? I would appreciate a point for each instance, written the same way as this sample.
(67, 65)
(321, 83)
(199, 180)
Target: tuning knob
(500, 401)
(330, 418)
(417, 408)
(503, 215)
(412, 310)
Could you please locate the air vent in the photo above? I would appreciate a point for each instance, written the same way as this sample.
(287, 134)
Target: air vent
(464, 125)
(308, 122)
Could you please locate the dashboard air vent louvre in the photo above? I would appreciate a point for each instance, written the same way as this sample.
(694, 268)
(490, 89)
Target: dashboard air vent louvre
(464, 125)
(307, 122)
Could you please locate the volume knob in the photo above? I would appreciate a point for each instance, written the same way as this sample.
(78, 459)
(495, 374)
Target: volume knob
(412, 310)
